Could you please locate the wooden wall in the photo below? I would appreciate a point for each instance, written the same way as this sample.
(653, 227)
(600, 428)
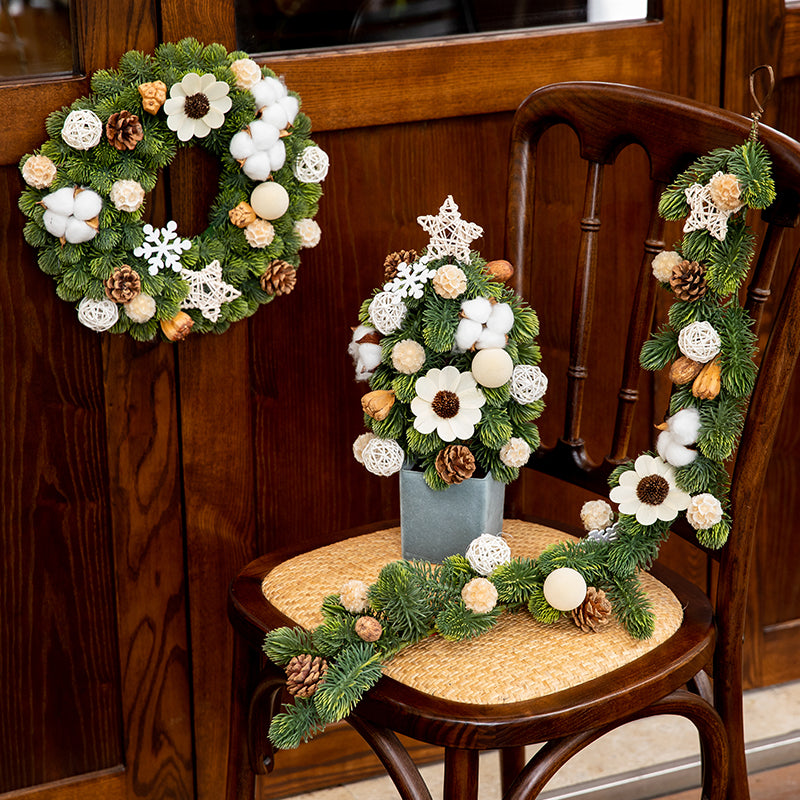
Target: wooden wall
(136, 479)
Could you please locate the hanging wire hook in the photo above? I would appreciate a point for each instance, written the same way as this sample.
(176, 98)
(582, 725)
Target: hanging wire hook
(760, 104)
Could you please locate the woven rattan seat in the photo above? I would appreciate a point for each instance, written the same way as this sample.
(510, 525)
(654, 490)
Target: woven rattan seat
(546, 658)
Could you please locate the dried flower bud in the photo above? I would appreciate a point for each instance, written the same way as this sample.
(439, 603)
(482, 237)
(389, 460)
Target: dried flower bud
(242, 215)
(246, 72)
(378, 404)
(154, 95)
(725, 191)
(353, 596)
(663, 263)
(39, 172)
(479, 595)
(704, 511)
(596, 515)
(408, 356)
(177, 328)
(449, 281)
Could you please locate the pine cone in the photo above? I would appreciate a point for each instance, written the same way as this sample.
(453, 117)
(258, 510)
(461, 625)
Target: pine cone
(393, 261)
(304, 674)
(279, 278)
(688, 280)
(124, 130)
(593, 611)
(455, 463)
(123, 285)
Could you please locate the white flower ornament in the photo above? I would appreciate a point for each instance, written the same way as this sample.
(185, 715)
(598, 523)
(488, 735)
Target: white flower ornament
(197, 105)
(649, 492)
(448, 402)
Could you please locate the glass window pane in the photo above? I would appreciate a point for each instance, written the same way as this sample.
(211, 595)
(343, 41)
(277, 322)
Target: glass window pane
(35, 38)
(269, 25)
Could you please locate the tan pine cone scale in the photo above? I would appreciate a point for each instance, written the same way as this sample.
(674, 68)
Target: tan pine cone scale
(593, 612)
(124, 130)
(455, 463)
(393, 261)
(123, 285)
(688, 280)
(279, 278)
(304, 674)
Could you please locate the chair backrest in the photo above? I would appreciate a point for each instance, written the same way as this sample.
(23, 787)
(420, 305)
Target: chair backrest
(673, 132)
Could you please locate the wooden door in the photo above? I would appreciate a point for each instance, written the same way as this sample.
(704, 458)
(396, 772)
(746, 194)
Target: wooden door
(768, 32)
(267, 461)
(94, 664)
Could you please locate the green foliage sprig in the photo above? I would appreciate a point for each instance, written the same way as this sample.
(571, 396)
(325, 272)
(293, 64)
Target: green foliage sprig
(80, 270)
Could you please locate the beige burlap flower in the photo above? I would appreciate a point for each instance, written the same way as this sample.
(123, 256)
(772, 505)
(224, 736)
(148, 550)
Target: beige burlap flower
(408, 356)
(596, 515)
(259, 233)
(353, 596)
(308, 231)
(126, 195)
(704, 511)
(663, 264)
(141, 309)
(515, 452)
(246, 72)
(479, 595)
(449, 281)
(39, 172)
(360, 443)
(725, 191)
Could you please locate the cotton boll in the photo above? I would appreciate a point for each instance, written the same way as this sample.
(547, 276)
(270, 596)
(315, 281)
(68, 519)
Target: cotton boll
(242, 146)
(54, 223)
(685, 426)
(277, 155)
(275, 115)
(501, 318)
(78, 231)
(87, 205)
(263, 134)
(672, 452)
(467, 333)
(60, 202)
(257, 167)
(478, 309)
(369, 356)
(490, 338)
(291, 105)
(268, 91)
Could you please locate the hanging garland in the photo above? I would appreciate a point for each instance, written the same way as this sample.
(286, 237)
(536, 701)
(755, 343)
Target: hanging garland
(710, 345)
(87, 186)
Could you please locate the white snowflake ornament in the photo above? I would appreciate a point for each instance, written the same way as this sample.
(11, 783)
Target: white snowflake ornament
(207, 290)
(162, 248)
(450, 235)
(410, 280)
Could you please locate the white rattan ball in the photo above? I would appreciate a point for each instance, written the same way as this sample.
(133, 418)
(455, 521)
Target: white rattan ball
(488, 552)
(82, 129)
(99, 315)
(311, 165)
(382, 457)
(387, 312)
(699, 341)
(528, 384)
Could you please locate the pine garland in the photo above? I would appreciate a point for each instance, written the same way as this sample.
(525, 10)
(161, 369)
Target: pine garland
(80, 270)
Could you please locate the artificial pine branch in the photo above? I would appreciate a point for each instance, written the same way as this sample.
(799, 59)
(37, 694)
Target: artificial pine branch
(398, 597)
(282, 644)
(516, 580)
(356, 670)
(457, 623)
(297, 723)
(738, 348)
(720, 427)
(729, 260)
(659, 350)
(631, 606)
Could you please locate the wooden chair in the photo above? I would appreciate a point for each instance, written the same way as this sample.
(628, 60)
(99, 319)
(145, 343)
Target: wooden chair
(675, 676)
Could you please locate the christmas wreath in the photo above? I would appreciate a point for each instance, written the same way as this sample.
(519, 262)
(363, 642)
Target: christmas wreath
(88, 182)
(709, 344)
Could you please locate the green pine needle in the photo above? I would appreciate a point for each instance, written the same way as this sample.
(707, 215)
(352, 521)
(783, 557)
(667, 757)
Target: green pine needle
(283, 644)
(659, 350)
(516, 580)
(456, 622)
(356, 670)
(296, 724)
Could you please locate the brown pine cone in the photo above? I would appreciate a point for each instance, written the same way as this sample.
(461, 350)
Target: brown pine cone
(123, 285)
(304, 674)
(455, 463)
(393, 261)
(595, 610)
(279, 278)
(123, 130)
(688, 280)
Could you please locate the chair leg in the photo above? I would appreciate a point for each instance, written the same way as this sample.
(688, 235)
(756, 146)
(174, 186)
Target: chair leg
(729, 704)
(512, 762)
(460, 774)
(394, 757)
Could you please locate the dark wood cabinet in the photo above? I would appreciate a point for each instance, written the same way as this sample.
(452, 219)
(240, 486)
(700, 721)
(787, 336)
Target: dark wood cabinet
(136, 479)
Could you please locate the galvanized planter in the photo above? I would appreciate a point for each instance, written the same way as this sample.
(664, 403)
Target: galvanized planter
(435, 525)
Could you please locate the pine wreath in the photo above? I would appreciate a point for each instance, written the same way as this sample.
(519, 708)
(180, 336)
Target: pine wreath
(88, 182)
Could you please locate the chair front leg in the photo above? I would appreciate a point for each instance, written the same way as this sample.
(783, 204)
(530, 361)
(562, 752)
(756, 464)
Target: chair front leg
(460, 774)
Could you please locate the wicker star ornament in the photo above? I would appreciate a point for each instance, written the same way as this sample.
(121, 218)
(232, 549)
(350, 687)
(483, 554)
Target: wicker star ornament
(450, 235)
